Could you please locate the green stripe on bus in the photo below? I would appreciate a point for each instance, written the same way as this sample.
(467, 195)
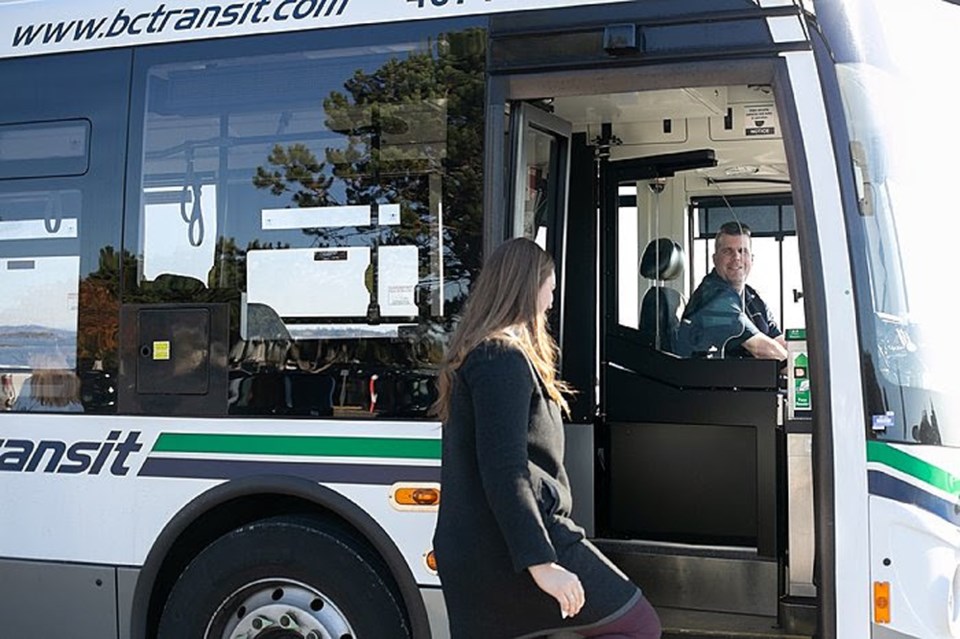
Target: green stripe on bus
(298, 445)
(884, 453)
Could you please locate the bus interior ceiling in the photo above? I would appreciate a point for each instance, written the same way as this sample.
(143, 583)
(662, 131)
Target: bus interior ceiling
(739, 123)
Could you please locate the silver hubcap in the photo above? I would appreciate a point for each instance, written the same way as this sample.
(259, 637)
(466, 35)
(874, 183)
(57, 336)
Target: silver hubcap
(278, 609)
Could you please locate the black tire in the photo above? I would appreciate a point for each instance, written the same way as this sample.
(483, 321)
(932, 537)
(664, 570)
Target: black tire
(260, 572)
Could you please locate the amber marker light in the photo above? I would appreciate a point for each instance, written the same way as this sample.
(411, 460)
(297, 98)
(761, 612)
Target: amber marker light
(431, 561)
(407, 496)
(881, 602)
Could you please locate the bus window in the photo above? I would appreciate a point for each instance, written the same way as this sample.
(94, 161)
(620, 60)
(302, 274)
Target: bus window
(61, 167)
(45, 149)
(38, 334)
(332, 200)
(774, 275)
(58, 328)
(40, 251)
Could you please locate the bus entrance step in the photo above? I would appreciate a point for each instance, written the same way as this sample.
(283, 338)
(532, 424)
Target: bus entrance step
(696, 624)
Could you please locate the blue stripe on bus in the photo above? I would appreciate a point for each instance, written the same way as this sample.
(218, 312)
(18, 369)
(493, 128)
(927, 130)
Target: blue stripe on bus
(380, 474)
(883, 485)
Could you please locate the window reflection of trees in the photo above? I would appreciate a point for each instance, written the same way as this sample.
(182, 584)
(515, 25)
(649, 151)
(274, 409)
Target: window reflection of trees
(410, 132)
(413, 131)
(377, 109)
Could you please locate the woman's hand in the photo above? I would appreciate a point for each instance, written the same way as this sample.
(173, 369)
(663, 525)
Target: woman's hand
(562, 585)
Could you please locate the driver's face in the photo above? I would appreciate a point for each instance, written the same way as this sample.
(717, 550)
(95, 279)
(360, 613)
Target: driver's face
(733, 259)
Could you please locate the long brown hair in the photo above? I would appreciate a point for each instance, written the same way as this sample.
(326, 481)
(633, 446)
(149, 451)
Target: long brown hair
(503, 306)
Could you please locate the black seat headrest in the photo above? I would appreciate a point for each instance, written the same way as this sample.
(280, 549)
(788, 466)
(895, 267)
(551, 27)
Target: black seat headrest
(671, 260)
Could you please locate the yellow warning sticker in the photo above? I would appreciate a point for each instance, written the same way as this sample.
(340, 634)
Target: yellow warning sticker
(161, 350)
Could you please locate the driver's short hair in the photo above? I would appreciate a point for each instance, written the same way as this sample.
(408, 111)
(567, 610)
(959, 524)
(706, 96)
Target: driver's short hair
(734, 228)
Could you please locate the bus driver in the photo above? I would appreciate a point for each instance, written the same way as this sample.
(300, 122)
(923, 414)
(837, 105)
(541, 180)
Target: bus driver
(725, 317)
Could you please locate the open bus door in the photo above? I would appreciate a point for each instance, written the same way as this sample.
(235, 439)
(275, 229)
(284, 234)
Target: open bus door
(679, 465)
(551, 174)
(690, 447)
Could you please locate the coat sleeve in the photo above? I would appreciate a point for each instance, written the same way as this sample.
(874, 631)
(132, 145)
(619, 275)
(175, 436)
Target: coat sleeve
(501, 386)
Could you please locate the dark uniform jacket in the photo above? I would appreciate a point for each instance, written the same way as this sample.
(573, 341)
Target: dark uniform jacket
(506, 505)
(716, 321)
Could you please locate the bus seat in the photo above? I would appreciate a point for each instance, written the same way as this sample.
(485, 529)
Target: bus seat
(663, 260)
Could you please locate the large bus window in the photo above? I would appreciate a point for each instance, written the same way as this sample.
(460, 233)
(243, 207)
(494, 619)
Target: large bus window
(60, 219)
(903, 228)
(333, 199)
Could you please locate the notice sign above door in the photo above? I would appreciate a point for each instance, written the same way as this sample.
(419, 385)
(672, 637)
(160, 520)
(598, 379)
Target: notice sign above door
(759, 119)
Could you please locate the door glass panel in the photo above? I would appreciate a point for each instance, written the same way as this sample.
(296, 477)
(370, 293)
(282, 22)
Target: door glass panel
(628, 257)
(539, 197)
(765, 271)
(539, 187)
(541, 157)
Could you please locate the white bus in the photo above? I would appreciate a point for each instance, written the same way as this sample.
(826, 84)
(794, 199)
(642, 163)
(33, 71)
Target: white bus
(235, 237)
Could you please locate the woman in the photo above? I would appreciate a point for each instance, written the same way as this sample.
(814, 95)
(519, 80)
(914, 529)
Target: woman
(511, 561)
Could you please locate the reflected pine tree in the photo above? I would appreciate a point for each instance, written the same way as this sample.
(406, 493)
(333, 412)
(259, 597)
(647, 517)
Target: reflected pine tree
(412, 134)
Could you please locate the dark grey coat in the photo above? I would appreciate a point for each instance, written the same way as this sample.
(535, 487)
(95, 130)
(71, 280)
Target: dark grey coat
(505, 505)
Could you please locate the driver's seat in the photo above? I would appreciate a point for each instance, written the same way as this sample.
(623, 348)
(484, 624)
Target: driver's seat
(662, 307)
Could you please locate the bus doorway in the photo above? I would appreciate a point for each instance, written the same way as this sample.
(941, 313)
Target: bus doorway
(690, 446)
(691, 470)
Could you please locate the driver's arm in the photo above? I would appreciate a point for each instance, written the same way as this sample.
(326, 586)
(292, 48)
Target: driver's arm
(763, 347)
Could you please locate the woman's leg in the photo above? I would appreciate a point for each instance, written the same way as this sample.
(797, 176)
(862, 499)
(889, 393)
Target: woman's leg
(640, 621)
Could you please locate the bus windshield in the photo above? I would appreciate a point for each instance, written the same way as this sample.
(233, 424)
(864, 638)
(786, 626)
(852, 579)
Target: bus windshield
(895, 88)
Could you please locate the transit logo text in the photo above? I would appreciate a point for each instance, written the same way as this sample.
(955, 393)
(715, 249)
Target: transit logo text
(166, 18)
(63, 458)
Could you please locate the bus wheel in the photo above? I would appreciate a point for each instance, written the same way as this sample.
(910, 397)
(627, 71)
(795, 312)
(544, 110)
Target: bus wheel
(282, 578)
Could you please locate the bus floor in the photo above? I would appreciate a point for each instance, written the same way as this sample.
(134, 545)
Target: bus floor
(695, 624)
(681, 623)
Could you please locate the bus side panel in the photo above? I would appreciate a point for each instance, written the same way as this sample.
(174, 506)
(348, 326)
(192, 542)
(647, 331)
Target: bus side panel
(914, 537)
(44, 599)
(139, 487)
(126, 586)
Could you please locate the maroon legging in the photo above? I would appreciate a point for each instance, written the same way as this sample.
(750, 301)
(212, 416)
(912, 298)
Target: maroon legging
(640, 621)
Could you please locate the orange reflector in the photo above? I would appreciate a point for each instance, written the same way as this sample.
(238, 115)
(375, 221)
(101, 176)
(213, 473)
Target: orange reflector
(416, 496)
(431, 560)
(881, 602)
